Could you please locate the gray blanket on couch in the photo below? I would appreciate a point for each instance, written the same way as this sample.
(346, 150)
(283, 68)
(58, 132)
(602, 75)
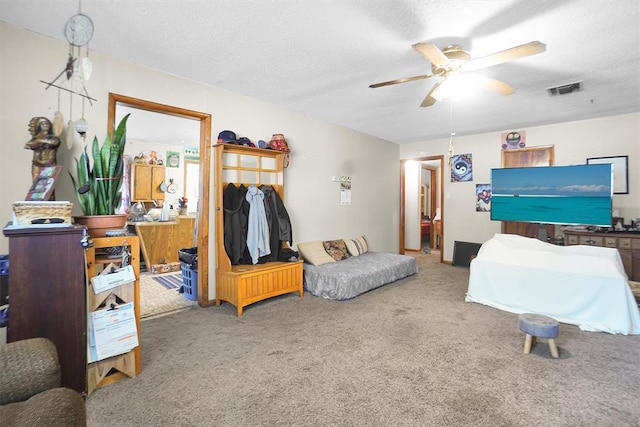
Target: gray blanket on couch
(353, 276)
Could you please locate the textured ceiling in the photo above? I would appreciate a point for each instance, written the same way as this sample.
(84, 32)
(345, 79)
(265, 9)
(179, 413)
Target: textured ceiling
(317, 58)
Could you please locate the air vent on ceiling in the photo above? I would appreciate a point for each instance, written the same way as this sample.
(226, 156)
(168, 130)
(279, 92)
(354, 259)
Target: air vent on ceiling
(565, 89)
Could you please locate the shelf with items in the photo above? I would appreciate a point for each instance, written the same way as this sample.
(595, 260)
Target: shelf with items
(112, 369)
(242, 285)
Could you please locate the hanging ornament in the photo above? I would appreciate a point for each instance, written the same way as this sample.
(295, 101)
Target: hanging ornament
(81, 126)
(86, 66)
(58, 120)
(69, 136)
(451, 151)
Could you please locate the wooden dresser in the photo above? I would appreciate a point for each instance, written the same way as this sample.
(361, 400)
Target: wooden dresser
(628, 245)
(47, 295)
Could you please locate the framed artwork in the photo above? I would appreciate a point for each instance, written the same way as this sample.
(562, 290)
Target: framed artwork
(42, 188)
(513, 140)
(620, 171)
(173, 159)
(461, 168)
(483, 197)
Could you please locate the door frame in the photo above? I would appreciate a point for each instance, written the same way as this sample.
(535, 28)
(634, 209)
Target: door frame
(403, 196)
(205, 168)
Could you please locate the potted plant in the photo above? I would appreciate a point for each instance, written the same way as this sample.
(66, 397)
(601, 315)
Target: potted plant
(99, 188)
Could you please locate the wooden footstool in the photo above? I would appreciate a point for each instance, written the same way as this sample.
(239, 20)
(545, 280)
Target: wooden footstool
(539, 326)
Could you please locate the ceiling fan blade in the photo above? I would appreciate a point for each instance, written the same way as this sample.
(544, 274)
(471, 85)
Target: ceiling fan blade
(517, 52)
(493, 84)
(432, 53)
(429, 100)
(404, 80)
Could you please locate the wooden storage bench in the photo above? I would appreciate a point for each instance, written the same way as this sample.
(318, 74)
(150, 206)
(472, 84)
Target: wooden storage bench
(246, 284)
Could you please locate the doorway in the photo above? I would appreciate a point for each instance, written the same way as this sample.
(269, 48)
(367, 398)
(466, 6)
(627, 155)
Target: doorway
(202, 217)
(421, 204)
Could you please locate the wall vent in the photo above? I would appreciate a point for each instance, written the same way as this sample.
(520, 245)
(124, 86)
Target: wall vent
(564, 89)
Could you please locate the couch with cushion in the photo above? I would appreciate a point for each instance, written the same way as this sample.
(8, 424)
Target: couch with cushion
(345, 268)
(30, 391)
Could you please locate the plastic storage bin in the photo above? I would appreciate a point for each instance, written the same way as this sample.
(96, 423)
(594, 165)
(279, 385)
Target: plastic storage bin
(190, 282)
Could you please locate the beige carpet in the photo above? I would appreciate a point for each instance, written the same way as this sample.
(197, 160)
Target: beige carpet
(156, 300)
(411, 353)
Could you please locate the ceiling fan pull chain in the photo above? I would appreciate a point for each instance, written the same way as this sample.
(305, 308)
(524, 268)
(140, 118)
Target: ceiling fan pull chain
(451, 151)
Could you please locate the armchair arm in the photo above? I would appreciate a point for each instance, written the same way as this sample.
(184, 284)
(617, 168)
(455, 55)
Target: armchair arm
(28, 367)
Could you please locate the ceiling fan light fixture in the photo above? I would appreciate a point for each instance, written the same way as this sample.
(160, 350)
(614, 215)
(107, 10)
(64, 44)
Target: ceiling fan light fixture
(456, 86)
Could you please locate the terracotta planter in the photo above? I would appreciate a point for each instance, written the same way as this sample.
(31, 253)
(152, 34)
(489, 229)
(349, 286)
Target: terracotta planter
(97, 225)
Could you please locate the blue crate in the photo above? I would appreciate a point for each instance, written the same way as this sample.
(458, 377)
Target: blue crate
(190, 282)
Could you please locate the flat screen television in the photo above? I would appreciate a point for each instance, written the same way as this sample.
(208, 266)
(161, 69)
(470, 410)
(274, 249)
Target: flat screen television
(566, 195)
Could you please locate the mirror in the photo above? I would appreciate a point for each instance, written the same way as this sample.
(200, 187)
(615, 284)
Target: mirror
(203, 171)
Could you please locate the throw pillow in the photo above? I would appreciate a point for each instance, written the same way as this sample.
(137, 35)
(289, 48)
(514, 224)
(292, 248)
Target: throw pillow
(314, 253)
(336, 249)
(357, 246)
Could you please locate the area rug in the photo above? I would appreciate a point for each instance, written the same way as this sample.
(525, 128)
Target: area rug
(159, 294)
(170, 281)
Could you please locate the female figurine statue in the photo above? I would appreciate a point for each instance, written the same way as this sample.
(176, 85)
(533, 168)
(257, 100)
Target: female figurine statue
(43, 143)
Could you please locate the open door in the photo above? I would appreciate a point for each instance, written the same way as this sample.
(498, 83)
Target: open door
(412, 203)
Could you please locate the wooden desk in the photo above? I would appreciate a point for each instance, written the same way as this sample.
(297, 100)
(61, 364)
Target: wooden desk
(160, 241)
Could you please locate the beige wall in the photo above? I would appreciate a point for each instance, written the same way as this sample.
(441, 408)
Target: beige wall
(320, 150)
(573, 142)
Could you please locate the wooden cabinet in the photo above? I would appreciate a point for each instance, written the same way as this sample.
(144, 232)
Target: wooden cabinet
(628, 245)
(112, 369)
(47, 294)
(242, 285)
(146, 181)
(160, 241)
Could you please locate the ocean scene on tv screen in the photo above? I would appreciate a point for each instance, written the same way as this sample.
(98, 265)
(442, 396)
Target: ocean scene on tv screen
(578, 194)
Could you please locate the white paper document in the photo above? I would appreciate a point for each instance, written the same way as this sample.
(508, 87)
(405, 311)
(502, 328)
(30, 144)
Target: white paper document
(119, 277)
(112, 332)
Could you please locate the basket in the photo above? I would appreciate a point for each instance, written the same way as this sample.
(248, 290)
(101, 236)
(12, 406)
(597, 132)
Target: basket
(25, 212)
(190, 282)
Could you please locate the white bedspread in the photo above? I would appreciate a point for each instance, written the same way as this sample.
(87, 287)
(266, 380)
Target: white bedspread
(580, 285)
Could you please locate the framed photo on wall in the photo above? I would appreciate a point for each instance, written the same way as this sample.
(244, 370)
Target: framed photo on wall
(620, 171)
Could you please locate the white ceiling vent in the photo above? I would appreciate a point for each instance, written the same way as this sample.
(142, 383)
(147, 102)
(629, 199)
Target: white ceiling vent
(565, 89)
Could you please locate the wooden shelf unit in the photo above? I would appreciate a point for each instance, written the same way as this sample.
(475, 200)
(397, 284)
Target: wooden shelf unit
(628, 245)
(112, 369)
(242, 285)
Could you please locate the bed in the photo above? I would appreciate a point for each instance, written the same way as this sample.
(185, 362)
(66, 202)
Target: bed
(579, 285)
(353, 276)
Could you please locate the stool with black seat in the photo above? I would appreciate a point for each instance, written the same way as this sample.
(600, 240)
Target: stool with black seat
(539, 326)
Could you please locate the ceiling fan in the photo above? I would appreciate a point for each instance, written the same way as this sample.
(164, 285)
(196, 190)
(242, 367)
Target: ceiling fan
(453, 62)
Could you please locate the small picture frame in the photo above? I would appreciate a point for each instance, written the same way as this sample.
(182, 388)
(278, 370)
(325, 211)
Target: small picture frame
(635, 223)
(620, 171)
